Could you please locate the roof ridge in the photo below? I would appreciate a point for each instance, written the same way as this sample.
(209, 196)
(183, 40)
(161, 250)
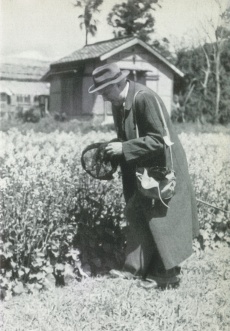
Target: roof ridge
(106, 48)
(108, 40)
(4, 64)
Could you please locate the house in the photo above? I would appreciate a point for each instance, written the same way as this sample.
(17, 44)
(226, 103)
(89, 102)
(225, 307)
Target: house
(21, 88)
(70, 77)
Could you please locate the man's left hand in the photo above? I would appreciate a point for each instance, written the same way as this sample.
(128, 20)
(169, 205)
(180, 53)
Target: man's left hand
(113, 149)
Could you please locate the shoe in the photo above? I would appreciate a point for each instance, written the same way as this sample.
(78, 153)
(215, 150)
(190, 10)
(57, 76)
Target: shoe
(147, 284)
(166, 278)
(122, 274)
(163, 282)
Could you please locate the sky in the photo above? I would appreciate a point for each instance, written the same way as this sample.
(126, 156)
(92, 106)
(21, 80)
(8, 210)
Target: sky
(49, 29)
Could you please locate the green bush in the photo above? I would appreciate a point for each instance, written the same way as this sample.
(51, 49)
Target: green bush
(32, 115)
(36, 243)
(48, 124)
(49, 206)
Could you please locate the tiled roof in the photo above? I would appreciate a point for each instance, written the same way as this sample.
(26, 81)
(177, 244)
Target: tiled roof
(94, 50)
(24, 88)
(21, 72)
(104, 50)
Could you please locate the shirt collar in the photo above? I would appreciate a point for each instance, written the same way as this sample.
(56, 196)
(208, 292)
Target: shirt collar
(126, 89)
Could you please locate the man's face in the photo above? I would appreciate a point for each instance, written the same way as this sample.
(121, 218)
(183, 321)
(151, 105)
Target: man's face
(112, 93)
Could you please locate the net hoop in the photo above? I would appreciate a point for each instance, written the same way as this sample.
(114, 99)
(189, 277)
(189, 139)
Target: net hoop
(112, 163)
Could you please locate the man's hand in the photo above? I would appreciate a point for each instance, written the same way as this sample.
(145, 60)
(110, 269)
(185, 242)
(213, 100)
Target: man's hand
(113, 149)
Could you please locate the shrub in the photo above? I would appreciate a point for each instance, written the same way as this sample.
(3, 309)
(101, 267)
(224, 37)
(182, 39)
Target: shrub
(48, 124)
(209, 168)
(32, 115)
(60, 116)
(49, 205)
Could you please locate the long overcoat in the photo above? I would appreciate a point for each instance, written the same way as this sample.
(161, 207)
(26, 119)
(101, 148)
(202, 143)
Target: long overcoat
(172, 229)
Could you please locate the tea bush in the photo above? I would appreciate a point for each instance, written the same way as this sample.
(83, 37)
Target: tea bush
(209, 165)
(49, 205)
(32, 115)
(48, 124)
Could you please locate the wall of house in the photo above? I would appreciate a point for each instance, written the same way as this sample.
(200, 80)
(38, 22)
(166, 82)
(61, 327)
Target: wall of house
(4, 104)
(87, 98)
(67, 100)
(20, 96)
(55, 94)
(66, 94)
(149, 71)
(92, 103)
(11, 104)
(69, 93)
(71, 102)
(165, 86)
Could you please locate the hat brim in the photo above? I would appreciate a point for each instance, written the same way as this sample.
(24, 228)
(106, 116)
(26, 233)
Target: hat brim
(124, 74)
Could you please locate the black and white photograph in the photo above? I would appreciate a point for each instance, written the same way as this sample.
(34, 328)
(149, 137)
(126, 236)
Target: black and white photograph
(115, 165)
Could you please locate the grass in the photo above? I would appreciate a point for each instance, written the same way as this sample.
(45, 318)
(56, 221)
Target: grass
(202, 302)
(49, 124)
(197, 128)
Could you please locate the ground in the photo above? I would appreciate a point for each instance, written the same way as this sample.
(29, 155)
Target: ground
(201, 302)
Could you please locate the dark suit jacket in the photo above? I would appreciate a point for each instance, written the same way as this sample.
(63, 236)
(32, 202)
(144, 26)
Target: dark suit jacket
(173, 228)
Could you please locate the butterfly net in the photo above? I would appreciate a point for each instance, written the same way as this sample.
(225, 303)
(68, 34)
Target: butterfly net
(96, 163)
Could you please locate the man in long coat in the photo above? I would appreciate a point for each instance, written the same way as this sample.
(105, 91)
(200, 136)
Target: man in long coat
(160, 237)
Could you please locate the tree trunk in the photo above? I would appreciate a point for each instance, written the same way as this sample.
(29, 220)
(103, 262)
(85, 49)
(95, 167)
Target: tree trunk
(207, 73)
(217, 106)
(86, 36)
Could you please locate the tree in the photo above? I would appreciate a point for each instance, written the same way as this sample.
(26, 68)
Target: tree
(133, 18)
(208, 64)
(90, 24)
(222, 34)
(163, 47)
(189, 89)
(199, 66)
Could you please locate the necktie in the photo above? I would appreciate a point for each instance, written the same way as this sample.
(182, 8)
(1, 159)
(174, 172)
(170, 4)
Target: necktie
(121, 123)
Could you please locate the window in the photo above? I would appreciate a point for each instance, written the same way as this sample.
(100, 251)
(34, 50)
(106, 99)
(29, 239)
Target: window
(27, 99)
(3, 97)
(19, 98)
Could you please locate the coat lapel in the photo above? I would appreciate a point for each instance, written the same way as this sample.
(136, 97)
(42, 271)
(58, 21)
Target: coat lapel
(129, 126)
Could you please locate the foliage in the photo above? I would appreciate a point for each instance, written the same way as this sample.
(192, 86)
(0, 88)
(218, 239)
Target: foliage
(133, 18)
(48, 124)
(90, 7)
(49, 206)
(208, 158)
(60, 116)
(201, 105)
(207, 69)
(32, 115)
(200, 303)
(163, 47)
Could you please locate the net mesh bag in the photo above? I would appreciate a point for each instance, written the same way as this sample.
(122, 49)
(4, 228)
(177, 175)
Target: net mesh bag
(96, 163)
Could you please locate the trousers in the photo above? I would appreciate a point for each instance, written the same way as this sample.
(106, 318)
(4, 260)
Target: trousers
(142, 255)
